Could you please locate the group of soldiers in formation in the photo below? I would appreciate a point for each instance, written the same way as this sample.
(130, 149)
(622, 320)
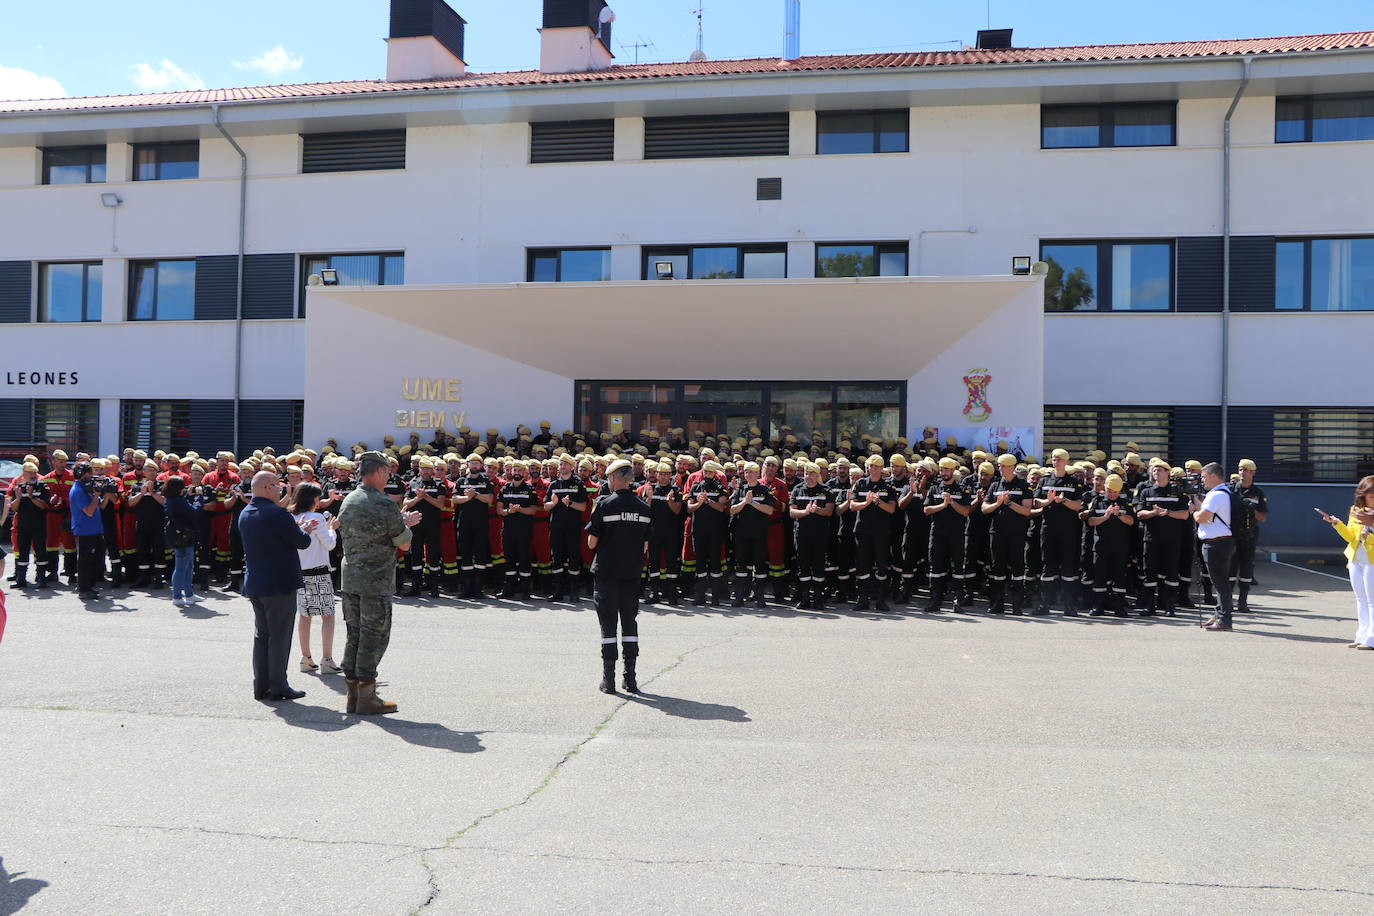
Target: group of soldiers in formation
(922, 526)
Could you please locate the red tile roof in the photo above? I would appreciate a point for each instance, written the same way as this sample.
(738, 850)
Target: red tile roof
(830, 62)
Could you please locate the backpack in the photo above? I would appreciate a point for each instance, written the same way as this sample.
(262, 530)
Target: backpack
(1242, 513)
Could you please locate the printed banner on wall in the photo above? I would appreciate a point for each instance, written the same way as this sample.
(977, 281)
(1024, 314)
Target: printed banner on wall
(1021, 440)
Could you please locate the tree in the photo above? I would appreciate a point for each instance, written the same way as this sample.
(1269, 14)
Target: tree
(1066, 293)
(846, 264)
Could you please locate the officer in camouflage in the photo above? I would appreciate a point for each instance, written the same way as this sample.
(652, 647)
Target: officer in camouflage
(371, 527)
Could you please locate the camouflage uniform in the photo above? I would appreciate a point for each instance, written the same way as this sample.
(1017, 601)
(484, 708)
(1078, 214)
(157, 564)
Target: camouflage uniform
(371, 529)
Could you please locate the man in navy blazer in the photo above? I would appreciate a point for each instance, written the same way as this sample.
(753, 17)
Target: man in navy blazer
(272, 576)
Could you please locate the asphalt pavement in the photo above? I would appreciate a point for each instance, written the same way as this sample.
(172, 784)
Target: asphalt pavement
(778, 761)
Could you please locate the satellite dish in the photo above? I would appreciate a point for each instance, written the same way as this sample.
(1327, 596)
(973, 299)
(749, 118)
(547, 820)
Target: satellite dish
(1040, 268)
(607, 15)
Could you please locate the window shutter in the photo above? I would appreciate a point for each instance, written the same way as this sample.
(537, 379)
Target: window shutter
(769, 189)
(717, 136)
(211, 427)
(1250, 434)
(269, 286)
(572, 141)
(216, 287)
(1252, 273)
(1196, 434)
(16, 291)
(1199, 274)
(16, 420)
(274, 423)
(354, 151)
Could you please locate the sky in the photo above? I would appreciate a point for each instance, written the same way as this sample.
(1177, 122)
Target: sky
(98, 47)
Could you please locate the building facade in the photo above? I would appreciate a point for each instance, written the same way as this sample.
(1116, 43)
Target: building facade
(155, 250)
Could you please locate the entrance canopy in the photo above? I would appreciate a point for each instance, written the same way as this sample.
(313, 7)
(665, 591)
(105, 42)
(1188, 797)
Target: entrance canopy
(510, 353)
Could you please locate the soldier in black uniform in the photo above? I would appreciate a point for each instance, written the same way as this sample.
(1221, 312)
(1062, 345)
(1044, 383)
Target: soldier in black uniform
(473, 502)
(948, 503)
(1243, 566)
(517, 504)
(751, 505)
(899, 477)
(811, 507)
(1061, 496)
(1007, 503)
(916, 539)
(29, 497)
(429, 495)
(708, 502)
(840, 552)
(145, 497)
(566, 500)
(665, 534)
(1163, 509)
(618, 532)
(1111, 517)
(977, 532)
(873, 500)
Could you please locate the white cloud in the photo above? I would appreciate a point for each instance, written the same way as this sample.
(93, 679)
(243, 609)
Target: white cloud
(275, 62)
(21, 84)
(167, 77)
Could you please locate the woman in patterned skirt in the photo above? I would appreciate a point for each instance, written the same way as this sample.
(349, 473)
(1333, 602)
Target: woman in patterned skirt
(316, 599)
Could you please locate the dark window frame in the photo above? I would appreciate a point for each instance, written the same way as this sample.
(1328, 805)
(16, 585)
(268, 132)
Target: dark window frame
(132, 281)
(1106, 123)
(678, 406)
(1306, 242)
(85, 424)
(89, 149)
(168, 144)
(532, 253)
(648, 254)
(878, 252)
(1308, 103)
(1103, 291)
(303, 267)
(85, 290)
(876, 114)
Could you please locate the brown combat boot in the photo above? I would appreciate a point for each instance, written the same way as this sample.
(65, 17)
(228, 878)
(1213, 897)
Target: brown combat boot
(352, 695)
(369, 704)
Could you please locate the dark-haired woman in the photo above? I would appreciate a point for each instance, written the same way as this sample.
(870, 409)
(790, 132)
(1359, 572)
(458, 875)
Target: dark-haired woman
(1358, 532)
(316, 598)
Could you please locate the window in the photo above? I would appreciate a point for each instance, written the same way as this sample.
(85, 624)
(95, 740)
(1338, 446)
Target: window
(162, 290)
(353, 151)
(717, 136)
(861, 259)
(1083, 429)
(572, 141)
(1111, 276)
(872, 409)
(156, 424)
(1323, 445)
(1323, 118)
(69, 292)
(1130, 124)
(166, 161)
(862, 131)
(569, 265)
(73, 426)
(74, 165)
(1324, 275)
(719, 262)
(385, 269)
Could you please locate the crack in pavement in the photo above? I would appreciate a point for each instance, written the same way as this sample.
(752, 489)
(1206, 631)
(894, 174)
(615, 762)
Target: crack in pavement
(411, 849)
(549, 776)
(925, 872)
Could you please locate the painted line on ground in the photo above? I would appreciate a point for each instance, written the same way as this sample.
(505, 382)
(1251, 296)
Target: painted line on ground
(1305, 569)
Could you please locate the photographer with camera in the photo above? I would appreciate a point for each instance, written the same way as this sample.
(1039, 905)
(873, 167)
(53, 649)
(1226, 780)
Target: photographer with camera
(86, 503)
(1214, 523)
(27, 501)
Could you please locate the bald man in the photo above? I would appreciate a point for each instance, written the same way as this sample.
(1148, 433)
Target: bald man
(271, 539)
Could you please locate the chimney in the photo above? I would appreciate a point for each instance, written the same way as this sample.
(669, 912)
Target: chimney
(791, 41)
(993, 39)
(576, 36)
(426, 41)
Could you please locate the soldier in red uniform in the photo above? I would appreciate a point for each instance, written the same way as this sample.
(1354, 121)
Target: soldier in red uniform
(776, 537)
(59, 529)
(539, 545)
(220, 485)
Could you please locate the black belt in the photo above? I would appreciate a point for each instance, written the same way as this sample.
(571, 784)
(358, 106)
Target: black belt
(1224, 537)
(316, 571)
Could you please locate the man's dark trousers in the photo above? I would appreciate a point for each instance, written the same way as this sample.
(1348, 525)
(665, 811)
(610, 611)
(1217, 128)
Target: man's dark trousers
(273, 616)
(617, 601)
(90, 560)
(1217, 554)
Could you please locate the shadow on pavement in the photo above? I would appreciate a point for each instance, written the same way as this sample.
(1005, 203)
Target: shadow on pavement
(16, 891)
(689, 709)
(422, 734)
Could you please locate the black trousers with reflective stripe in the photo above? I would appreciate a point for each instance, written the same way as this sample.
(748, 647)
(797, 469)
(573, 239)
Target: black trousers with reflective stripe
(1059, 551)
(617, 602)
(810, 562)
(565, 549)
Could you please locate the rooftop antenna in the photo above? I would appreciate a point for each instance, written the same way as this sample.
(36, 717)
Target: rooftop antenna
(792, 32)
(699, 53)
(641, 43)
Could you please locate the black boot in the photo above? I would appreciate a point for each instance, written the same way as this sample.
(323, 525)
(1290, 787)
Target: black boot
(1243, 602)
(1017, 590)
(574, 589)
(630, 684)
(997, 596)
(560, 586)
(699, 593)
(741, 591)
(880, 591)
(817, 596)
(1119, 604)
(1070, 600)
(116, 573)
(417, 581)
(1150, 598)
(434, 583)
(760, 592)
(671, 592)
(607, 675)
(804, 599)
(937, 594)
(863, 603)
(961, 601)
(1184, 596)
(1099, 600)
